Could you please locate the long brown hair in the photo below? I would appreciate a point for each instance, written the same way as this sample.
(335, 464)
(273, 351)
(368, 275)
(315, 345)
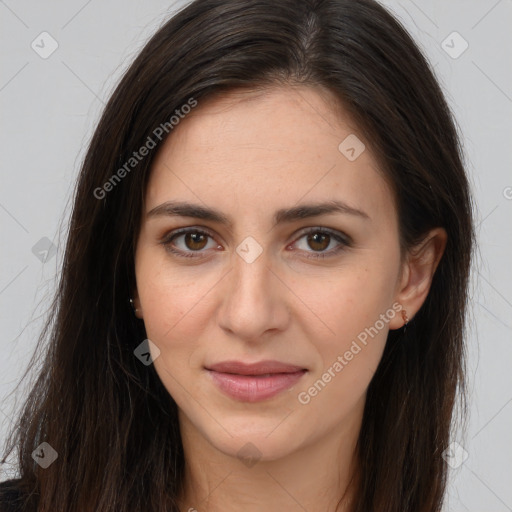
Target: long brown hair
(109, 417)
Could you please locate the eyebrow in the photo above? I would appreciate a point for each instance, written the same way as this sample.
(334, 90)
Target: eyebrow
(284, 215)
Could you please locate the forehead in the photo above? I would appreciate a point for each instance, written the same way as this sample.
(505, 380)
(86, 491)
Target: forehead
(267, 149)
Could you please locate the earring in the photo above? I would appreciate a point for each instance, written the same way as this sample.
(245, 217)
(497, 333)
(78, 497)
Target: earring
(405, 319)
(133, 306)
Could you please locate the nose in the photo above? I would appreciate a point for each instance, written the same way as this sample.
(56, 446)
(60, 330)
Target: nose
(254, 302)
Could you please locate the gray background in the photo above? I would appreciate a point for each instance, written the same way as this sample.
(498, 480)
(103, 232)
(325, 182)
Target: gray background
(50, 106)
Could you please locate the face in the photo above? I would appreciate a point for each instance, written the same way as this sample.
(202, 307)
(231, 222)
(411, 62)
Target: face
(269, 276)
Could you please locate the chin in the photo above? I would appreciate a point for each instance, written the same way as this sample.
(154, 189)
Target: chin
(253, 448)
(266, 440)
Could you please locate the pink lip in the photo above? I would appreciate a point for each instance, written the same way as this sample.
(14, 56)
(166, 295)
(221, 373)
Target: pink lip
(254, 382)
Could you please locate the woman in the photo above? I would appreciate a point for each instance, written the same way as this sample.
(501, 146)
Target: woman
(264, 288)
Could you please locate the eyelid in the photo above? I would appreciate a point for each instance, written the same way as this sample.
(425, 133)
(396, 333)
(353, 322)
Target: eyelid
(187, 229)
(167, 239)
(335, 233)
(344, 242)
(342, 238)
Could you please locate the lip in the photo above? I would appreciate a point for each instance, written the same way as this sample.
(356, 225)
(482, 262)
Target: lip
(259, 368)
(254, 382)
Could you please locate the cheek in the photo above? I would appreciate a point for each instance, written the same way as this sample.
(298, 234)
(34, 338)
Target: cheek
(346, 302)
(174, 318)
(172, 298)
(177, 306)
(349, 331)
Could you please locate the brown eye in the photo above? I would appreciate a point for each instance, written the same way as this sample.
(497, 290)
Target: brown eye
(195, 241)
(319, 241)
(322, 243)
(188, 243)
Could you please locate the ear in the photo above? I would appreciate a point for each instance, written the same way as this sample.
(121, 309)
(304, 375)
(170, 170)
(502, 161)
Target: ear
(417, 272)
(136, 304)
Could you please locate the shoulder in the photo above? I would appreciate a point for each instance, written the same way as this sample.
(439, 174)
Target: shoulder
(11, 497)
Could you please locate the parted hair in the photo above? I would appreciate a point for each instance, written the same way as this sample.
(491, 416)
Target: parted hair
(109, 417)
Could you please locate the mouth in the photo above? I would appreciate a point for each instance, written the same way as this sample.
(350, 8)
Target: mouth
(254, 382)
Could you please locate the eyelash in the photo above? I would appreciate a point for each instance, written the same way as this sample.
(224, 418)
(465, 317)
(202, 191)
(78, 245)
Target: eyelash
(343, 240)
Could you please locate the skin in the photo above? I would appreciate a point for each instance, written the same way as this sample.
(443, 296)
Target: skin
(249, 154)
